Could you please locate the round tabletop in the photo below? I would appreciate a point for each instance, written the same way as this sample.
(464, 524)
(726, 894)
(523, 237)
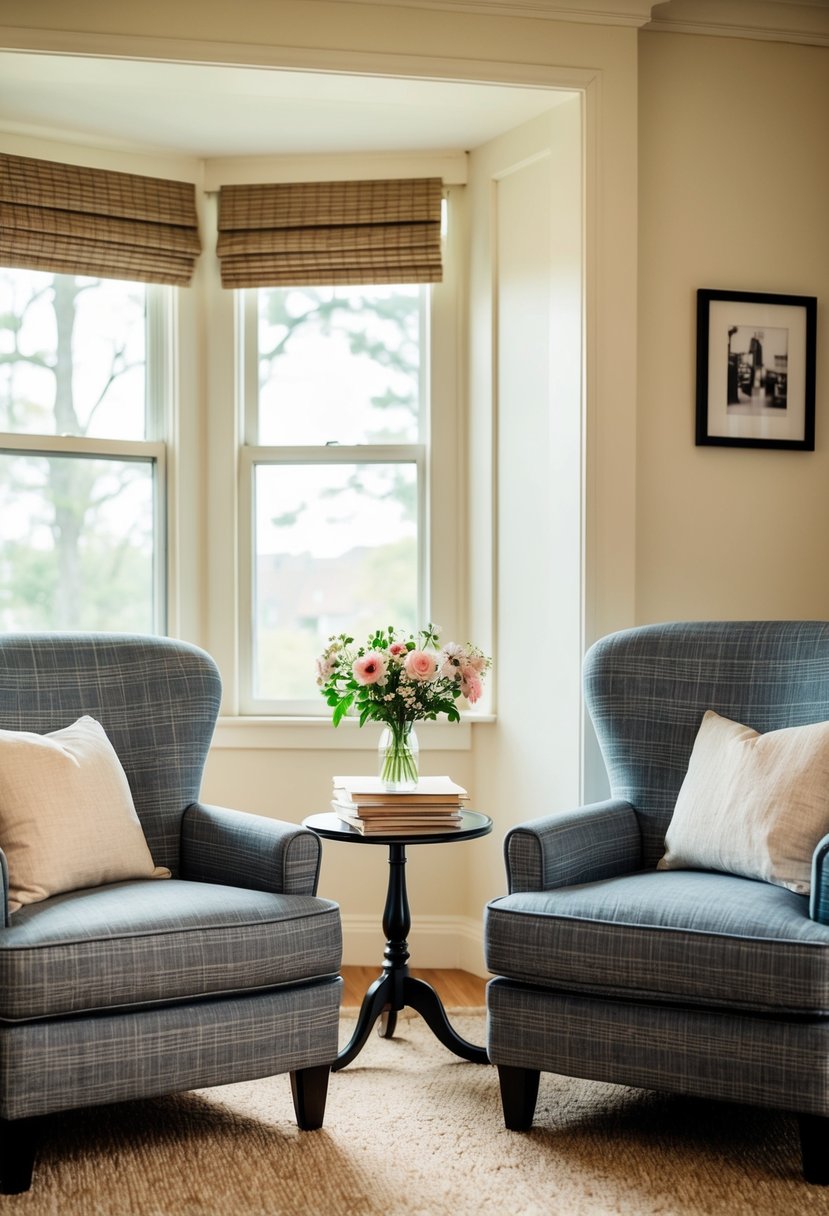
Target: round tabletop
(330, 826)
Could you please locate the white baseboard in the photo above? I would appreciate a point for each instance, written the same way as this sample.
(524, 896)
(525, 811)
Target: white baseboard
(435, 941)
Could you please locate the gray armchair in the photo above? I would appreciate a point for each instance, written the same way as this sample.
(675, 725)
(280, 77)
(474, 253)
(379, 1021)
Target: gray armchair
(686, 981)
(226, 971)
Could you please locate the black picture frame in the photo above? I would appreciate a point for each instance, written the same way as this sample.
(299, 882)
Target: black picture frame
(756, 370)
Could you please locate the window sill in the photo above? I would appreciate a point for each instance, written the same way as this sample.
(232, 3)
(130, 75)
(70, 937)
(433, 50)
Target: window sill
(318, 734)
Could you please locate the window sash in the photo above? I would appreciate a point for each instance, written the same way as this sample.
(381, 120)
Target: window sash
(153, 450)
(253, 457)
(247, 365)
(152, 453)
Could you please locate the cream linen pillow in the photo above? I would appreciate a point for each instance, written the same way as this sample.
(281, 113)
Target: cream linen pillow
(752, 804)
(67, 818)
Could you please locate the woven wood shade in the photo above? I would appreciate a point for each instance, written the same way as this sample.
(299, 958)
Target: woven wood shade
(74, 220)
(294, 233)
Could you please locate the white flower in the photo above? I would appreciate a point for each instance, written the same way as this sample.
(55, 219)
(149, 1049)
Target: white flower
(452, 659)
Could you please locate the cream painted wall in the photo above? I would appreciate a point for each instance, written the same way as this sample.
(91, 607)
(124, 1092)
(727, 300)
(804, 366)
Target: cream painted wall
(733, 191)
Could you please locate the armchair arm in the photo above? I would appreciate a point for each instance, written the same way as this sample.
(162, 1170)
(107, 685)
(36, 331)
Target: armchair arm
(584, 845)
(244, 850)
(819, 899)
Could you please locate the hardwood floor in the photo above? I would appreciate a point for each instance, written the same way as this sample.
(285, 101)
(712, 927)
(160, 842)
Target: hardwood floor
(457, 989)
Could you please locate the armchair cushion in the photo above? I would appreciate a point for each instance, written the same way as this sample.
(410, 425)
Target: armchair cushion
(137, 944)
(682, 936)
(752, 804)
(67, 818)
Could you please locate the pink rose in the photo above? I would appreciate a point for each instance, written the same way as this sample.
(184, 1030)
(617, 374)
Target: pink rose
(397, 648)
(370, 669)
(420, 665)
(471, 686)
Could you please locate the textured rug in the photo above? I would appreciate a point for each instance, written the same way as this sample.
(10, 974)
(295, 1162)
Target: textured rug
(411, 1129)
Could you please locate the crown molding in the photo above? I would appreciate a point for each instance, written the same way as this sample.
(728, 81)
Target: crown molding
(801, 21)
(609, 12)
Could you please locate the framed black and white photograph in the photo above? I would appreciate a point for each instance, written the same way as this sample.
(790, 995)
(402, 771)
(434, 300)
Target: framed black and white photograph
(756, 370)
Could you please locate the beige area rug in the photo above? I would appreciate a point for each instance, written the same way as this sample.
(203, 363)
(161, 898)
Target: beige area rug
(412, 1129)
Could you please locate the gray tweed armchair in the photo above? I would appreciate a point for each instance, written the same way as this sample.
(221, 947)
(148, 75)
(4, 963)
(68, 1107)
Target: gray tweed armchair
(225, 971)
(689, 981)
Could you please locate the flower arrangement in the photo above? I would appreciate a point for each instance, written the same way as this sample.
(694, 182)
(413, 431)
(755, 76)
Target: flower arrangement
(399, 679)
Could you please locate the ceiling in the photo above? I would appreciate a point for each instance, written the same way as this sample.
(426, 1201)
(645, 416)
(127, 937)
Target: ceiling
(207, 111)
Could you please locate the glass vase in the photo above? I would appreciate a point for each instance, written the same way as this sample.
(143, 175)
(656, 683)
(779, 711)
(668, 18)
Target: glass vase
(398, 753)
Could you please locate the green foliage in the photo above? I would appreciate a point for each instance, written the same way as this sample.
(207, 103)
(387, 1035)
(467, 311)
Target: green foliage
(29, 587)
(114, 592)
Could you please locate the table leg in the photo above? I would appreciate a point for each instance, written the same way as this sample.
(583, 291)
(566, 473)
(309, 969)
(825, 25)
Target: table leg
(388, 1023)
(421, 996)
(374, 1002)
(385, 996)
(395, 988)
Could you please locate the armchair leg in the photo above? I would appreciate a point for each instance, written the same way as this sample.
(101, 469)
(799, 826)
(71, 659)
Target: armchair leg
(18, 1144)
(519, 1091)
(814, 1146)
(309, 1087)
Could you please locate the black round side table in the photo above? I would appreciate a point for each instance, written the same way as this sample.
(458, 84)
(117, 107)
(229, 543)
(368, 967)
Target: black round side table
(395, 989)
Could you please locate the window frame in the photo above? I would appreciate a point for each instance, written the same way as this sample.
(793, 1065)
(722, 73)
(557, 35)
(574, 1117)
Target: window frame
(152, 450)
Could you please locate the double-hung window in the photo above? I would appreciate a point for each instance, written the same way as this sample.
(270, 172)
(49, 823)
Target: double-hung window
(83, 372)
(334, 475)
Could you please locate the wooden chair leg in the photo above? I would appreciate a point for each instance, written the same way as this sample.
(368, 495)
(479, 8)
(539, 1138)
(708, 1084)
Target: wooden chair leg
(519, 1091)
(309, 1087)
(814, 1146)
(18, 1145)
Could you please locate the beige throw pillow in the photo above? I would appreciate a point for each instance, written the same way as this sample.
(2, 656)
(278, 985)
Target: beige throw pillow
(67, 819)
(751, 804)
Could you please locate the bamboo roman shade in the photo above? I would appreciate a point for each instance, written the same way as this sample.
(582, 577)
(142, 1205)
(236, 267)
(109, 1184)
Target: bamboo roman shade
(295, 233)
(74, 220)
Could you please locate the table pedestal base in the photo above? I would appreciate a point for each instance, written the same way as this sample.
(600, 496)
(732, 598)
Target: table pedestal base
(395, 989)
(386, 997)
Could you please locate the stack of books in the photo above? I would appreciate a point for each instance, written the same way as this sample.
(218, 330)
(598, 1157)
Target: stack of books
(434, 805)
